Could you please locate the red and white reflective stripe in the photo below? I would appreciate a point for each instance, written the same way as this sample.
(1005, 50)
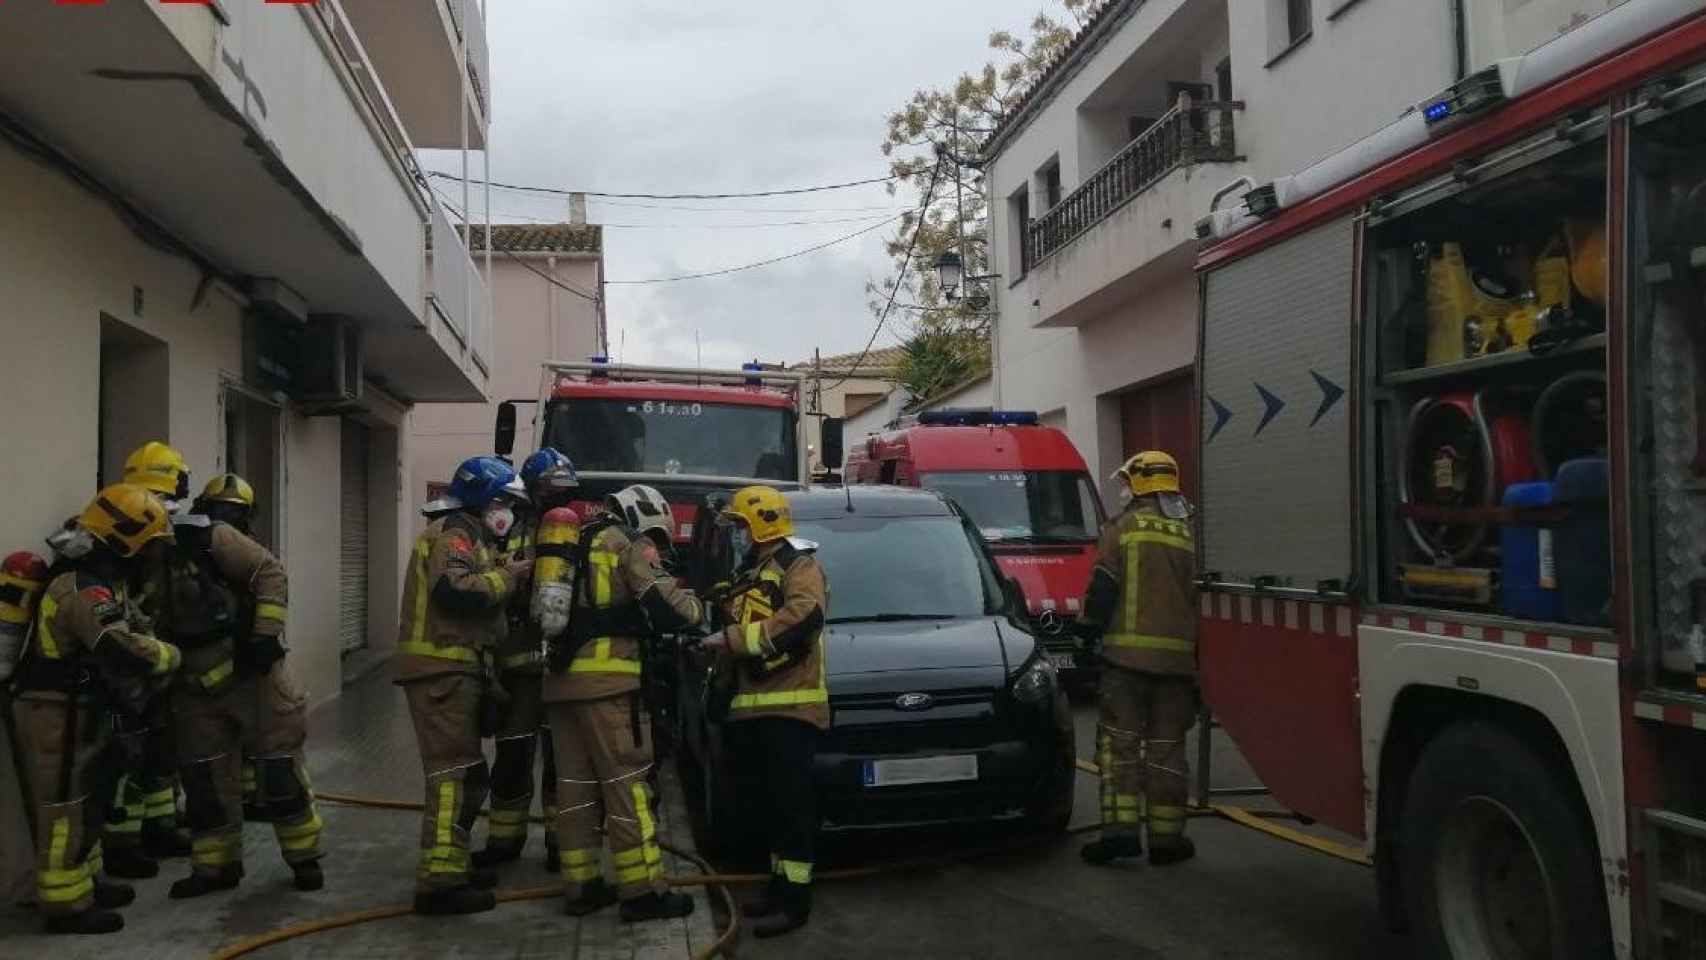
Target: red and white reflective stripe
(1673, 714)
(1439, 627)
(1296, 615)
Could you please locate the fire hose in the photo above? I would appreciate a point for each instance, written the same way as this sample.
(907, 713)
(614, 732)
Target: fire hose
(1260, 820)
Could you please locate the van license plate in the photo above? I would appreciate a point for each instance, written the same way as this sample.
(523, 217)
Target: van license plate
(911, 770)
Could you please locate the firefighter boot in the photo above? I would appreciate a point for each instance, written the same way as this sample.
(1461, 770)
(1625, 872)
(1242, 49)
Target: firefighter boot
(111, 896)
(495, 853)
(483, 879)
(456, 900)
(309, 877)
(86, 922)
(1171, 850)
(796, 910)
(1108, 849)
(129, 863)
(767, 903)
(553, 860)
(202, 884)
(595, 896)
(162, 840)
(656, 906)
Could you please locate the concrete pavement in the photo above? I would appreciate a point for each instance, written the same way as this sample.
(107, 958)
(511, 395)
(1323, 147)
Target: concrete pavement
(362, 743)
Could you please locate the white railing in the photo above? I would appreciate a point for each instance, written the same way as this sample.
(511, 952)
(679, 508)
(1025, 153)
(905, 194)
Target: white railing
(470, 24)
(365, 79)
(455, 285)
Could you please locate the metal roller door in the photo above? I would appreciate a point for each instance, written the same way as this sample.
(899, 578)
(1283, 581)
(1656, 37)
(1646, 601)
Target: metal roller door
(1276, 444)
(352, 556)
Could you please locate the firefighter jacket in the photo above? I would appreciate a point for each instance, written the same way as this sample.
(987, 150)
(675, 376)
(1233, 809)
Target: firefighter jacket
(455, 601)
(521, 650)
(775, 637)
(623, 595)
(86, 630)
(1142, 594)
(217, 590)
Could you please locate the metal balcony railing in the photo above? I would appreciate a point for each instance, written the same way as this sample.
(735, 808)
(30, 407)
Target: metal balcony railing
(1188, 134)
(471, 27)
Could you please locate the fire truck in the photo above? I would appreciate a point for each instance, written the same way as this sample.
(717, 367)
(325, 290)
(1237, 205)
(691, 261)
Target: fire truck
(1453, 529)
(686, 432)
(1024, 485)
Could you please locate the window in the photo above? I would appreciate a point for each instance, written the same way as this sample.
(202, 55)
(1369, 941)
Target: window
(1019, 215)
(1051, 184)
(1223, 80)
(1296, 20)
(1037, 506)
(674, 437)
(1289, 24)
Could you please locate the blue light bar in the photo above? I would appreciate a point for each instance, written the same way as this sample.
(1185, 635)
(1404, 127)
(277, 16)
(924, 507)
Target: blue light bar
(977, 417)
(598, 359)
(1437, 111)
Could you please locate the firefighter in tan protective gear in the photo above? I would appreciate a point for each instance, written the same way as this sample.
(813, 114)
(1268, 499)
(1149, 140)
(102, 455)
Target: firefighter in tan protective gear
(622, 597)
(91, 663)
(223, 599)
(774, 646)
(1141, 610)
(453, 619)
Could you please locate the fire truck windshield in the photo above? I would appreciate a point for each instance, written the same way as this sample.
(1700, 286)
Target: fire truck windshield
(674, 436)
(1034, 505)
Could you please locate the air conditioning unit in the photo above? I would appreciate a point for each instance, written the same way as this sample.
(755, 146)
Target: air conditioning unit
(331, 367)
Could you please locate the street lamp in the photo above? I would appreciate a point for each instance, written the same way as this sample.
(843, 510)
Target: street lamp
(950, 271)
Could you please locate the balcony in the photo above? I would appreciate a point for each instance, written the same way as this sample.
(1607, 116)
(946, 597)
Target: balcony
(457, 294)
(1187, 135)
(415, 45)
(1132, 215)
(255, 139)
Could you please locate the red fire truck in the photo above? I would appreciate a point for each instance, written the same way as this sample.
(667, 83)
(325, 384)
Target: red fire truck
(686, 432)
(1453, 458)
(1026, 488)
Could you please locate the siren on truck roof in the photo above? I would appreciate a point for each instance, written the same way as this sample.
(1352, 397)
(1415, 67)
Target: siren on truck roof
(977, 417)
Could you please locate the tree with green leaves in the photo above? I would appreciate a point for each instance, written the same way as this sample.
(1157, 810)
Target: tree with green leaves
(948, 340)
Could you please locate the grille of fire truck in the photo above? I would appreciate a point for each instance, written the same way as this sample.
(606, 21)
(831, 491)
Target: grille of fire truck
(1676, 885)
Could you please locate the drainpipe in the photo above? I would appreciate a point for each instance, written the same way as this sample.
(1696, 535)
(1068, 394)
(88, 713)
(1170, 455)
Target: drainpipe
(1459, 40)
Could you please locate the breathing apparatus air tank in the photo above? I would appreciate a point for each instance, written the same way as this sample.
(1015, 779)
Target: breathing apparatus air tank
(23, 577)
(553, 570)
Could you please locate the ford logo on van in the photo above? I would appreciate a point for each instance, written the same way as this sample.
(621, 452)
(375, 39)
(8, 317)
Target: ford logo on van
(914, 701)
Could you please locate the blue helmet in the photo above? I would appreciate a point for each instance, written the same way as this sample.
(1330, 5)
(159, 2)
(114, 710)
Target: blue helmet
(479, 480)
(535, 466)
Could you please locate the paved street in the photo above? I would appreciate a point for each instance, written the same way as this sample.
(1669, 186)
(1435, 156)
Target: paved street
(1245, 895)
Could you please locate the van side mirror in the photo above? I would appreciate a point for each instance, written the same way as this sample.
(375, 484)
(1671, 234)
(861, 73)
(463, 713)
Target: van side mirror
(503, 434)
(832, 442)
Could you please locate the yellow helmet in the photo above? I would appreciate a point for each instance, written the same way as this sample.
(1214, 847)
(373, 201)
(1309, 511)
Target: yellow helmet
(228, 488)
(125, 517)
(1150, 472)
(159, 469)
(764, 511)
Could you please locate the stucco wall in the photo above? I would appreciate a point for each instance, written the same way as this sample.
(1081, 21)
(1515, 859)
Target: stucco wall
(533, 321)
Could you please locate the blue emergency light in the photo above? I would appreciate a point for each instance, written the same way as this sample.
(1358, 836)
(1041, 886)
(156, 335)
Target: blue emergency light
(977, 417)
(753, 367)
(1479, 91)
(600, 362)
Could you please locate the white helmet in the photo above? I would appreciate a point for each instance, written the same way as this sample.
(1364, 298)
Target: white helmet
(644, 510)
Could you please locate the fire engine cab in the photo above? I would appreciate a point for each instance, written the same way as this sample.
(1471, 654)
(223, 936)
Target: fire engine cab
(1454, 599)
(1025, 487)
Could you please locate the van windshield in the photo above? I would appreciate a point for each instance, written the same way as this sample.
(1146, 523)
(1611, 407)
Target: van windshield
(1023, 505)
(903, 568)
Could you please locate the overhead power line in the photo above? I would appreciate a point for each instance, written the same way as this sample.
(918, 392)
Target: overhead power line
(886, 207)
(554, 281)
(501, 216)
(793, 191)
(763, 263)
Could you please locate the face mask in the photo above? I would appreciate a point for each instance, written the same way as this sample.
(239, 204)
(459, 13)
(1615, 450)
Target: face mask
(499, 520)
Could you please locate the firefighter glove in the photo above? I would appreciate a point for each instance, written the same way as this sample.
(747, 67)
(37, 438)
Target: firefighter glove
(261, 652)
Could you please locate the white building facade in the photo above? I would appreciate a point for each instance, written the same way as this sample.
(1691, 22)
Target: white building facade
(1096, 178)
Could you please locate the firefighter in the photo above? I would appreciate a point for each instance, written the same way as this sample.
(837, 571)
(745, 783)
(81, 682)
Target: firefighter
(549, 479)
(1140, 611)
(774, 645)
(142, 826)
(88, 658)
(222, 599)
(592, 695)
(453, 618)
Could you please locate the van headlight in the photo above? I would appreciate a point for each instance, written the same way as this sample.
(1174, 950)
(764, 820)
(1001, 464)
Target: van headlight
(1035, 683)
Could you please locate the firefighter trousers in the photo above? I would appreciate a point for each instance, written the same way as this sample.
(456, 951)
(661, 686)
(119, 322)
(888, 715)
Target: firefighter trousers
(145, 789)
(268, 712)
(602, 781)
(521, 730)
(1140, 746)
(446, 713)
(776, 754)
(67, 822)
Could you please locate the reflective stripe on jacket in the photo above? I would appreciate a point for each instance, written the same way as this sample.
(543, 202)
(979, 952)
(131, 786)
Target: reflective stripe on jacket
(776, 641)
(1153, 623)
(521, 651)
(84, 624)
(454, 598)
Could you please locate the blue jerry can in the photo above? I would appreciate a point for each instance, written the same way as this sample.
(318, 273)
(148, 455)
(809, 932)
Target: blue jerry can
(1528, 583)
(1584, 540)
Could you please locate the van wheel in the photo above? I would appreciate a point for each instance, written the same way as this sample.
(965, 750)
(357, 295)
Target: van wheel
(1499, 862)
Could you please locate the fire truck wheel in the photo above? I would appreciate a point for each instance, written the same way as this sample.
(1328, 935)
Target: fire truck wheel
(1498, 860)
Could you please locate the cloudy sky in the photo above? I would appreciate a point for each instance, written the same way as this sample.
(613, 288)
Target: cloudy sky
(720, 96)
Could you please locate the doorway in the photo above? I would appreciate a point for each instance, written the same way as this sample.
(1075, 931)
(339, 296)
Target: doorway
(353, 503)
(134, 389)
(253, 441)
(1159, 417)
